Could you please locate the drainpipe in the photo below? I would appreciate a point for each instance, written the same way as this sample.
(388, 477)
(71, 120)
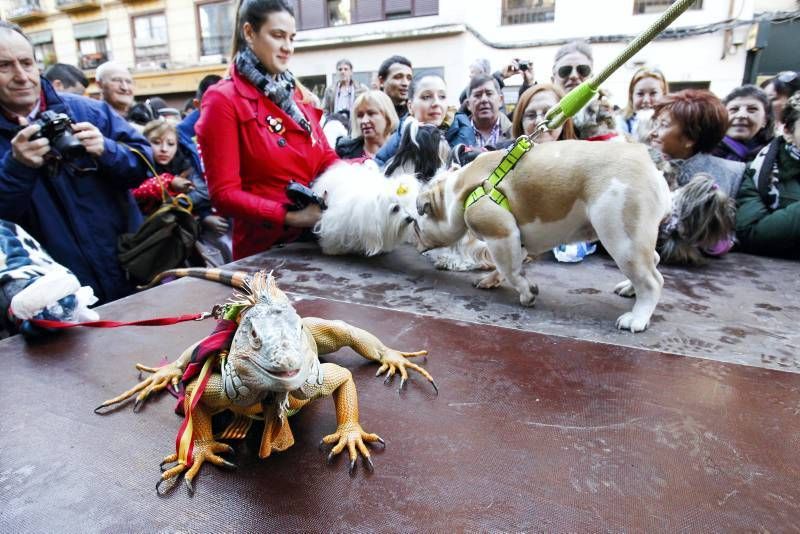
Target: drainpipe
(727, 39)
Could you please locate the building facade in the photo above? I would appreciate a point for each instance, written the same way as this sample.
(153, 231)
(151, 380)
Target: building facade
(171, 44)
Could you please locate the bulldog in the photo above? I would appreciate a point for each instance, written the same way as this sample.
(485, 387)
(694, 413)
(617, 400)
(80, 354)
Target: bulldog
(559, 192)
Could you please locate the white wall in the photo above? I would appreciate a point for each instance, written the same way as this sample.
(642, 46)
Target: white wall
(697, 58)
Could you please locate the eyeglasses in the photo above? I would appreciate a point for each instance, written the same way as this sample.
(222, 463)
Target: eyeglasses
(566, 70)
(121, 81)
(534, 115)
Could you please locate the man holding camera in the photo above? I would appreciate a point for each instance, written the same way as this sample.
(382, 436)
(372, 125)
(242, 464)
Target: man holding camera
(66, 164)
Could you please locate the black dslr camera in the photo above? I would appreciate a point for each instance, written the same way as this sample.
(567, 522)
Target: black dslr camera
(55, 127)
(524, 64)
(301, 196)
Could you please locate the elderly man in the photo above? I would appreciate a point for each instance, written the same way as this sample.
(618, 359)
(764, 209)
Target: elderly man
(116, 86)
(395, 76)
(341, 95)
(490, 124)
(74, 201)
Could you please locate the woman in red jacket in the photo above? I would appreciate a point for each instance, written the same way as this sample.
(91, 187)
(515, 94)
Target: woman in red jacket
(257, 132)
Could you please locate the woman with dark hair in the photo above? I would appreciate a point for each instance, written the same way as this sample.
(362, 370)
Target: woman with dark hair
(427, 103)
(768, 204)
(258, 131)
(688, 125)
(750, 126)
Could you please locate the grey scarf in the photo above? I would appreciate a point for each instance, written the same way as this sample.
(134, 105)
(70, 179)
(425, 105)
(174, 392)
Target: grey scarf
(279, 89)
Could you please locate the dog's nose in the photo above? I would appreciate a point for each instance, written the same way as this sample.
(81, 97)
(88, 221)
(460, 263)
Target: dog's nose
(409, 219)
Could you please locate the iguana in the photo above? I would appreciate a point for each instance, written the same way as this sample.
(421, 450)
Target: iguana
(262, 362)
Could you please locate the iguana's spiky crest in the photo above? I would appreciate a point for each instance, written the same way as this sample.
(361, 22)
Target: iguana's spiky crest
(262, 288)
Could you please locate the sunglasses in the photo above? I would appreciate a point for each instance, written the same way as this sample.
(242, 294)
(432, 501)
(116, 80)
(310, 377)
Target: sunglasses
(566, 70)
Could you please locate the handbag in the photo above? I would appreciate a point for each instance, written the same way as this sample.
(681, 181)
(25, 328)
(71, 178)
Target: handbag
(166, 240)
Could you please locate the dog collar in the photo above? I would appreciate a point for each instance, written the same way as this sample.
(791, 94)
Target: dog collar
(520, 147)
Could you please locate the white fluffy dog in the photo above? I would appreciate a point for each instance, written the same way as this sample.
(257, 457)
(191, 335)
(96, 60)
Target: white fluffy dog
(367, 212)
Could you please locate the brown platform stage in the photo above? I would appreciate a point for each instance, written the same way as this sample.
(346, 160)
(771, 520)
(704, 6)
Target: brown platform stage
(530, 432)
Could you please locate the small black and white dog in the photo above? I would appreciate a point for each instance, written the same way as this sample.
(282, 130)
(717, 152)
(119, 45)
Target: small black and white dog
(423, 151)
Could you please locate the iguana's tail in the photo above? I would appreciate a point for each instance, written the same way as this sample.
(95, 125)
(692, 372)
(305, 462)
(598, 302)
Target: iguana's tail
(237, 279)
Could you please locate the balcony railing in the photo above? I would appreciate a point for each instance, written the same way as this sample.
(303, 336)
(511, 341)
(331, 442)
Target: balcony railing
(77, 5)
(26, 10)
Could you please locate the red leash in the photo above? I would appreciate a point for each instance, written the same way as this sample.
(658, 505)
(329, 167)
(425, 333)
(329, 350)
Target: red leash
(158, 321)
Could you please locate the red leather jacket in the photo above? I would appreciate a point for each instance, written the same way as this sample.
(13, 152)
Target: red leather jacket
(249, 161)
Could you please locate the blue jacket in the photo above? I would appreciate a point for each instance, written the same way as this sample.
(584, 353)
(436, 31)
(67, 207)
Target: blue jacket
(186, 141)
(186, 138)
(77, 214)
(460, 132)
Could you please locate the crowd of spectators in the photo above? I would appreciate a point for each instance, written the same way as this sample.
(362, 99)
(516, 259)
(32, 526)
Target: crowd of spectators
(235, 169)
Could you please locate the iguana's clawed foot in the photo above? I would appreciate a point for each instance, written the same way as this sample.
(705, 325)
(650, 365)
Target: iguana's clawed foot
(352, 436)
(393, 361)
(204, 450)
(160, 379)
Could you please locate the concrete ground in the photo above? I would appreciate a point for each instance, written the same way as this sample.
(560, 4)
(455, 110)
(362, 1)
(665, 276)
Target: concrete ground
(741, 308)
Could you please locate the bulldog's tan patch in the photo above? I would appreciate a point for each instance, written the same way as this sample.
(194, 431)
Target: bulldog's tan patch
(487, 220)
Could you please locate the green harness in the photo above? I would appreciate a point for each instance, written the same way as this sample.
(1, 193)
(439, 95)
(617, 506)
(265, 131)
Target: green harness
(521, 147)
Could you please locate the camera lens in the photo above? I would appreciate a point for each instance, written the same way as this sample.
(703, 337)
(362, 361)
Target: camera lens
(66, 144)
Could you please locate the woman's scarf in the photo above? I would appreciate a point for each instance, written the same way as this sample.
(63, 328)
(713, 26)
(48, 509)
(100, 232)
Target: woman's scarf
(744, 151)
(279, 89)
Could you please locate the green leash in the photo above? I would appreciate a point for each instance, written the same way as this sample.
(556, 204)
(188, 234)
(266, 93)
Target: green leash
(567, 107)
(576, 99)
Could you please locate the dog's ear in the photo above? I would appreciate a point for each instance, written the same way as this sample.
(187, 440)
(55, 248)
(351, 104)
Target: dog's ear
(424, 204)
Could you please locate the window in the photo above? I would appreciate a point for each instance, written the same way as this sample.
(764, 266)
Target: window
(528, 11)
(216, 20)
(674, 87)
(92, 52)
(364, 77)
(315, 84)
(150, 42)
(312, 14)
(92, 43)
(657, 6)
(43, 50)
